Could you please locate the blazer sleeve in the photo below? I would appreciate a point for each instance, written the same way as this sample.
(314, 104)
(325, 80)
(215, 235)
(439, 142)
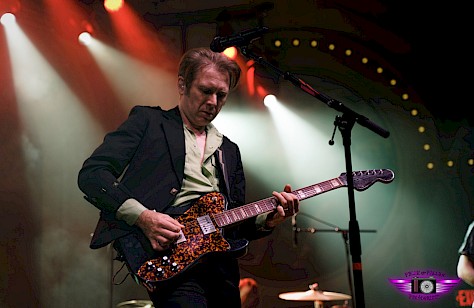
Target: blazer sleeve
(98, 177)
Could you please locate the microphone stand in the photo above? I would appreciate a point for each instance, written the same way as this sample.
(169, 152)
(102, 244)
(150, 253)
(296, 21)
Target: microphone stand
(344, 233)
(345, 124)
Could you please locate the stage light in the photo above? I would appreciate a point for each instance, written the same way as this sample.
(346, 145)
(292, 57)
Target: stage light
(7, 19)
(251, 80)
(269, 100)
(113, 5)
(261, 91)
(230, 52)
(85, 38)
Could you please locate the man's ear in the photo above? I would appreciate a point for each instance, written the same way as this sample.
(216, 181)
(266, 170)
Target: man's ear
(180, 84)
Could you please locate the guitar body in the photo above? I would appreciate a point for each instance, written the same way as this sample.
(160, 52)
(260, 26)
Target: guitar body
(199, 238)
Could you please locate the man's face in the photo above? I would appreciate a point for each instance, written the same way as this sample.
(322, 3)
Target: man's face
(200, 104)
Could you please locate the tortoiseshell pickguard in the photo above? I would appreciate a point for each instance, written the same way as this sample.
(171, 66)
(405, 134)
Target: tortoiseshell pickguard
(195, 245)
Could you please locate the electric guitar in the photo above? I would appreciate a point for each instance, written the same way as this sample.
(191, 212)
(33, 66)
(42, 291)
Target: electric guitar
(202, 236)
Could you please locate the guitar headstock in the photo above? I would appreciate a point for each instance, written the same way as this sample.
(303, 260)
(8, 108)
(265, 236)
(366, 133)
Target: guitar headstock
(364, 179)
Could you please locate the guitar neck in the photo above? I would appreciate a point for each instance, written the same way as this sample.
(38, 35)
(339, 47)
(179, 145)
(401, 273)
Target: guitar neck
(244, 212)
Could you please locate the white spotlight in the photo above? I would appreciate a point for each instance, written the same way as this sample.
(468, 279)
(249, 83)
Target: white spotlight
(270, 100)
(85, 38)
(7, 19)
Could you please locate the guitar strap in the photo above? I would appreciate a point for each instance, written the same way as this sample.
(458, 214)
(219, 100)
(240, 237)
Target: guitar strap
(220, 158)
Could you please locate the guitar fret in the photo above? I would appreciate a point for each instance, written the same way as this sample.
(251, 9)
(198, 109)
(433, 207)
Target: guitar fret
(248, 210)
(234, 216)
(242, 213)
(316, 189)
(326, 186)
(227, 218)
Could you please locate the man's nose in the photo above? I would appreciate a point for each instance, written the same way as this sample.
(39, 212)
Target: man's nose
(212, 99)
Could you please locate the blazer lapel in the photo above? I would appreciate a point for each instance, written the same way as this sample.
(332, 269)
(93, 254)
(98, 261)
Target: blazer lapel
(174, 134)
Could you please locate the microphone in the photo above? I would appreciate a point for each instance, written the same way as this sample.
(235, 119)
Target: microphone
(219, 44)
(295, 230)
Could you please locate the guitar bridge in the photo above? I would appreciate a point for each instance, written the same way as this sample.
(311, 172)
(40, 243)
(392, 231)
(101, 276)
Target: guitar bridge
(206, 225)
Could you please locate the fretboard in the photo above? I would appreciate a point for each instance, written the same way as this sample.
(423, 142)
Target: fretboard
(241, 213)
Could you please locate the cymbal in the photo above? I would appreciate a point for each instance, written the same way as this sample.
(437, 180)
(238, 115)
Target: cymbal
(136, 304)
(312, 295)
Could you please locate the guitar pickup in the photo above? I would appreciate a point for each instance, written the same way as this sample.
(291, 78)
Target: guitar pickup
(206, 225)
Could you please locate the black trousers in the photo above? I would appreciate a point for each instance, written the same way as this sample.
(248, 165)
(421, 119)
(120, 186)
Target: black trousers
(213, 283)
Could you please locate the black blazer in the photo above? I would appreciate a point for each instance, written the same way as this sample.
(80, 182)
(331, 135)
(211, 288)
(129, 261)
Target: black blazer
(144, 159)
